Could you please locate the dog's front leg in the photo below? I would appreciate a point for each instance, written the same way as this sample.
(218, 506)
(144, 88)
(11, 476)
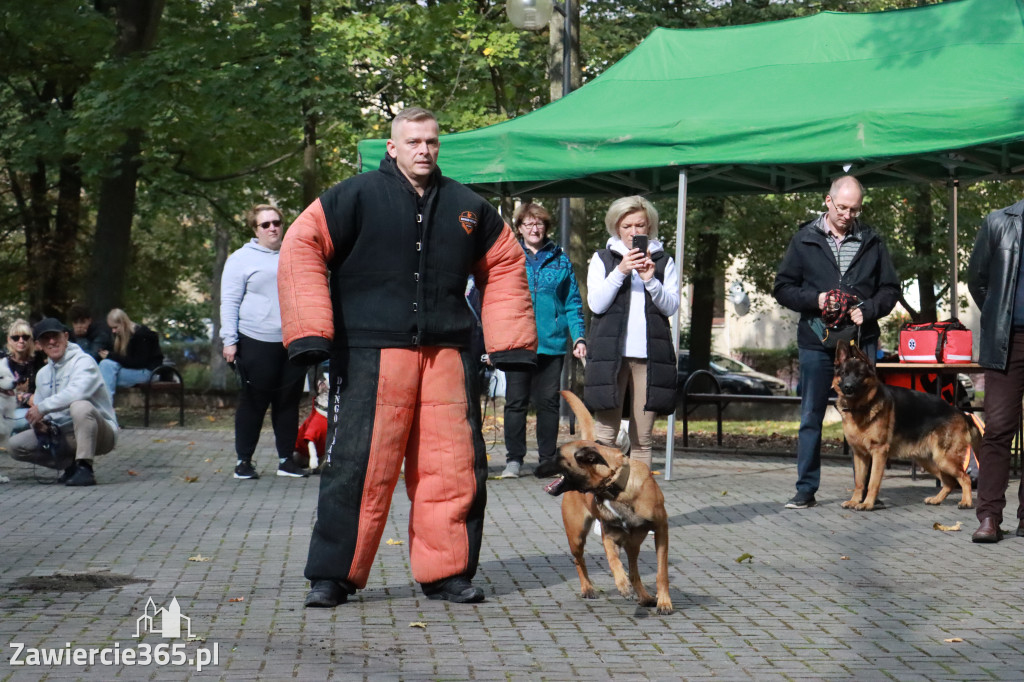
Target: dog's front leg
(860, 475)
(879, 454)
(632, 546)
(611, 550)
(578, 520)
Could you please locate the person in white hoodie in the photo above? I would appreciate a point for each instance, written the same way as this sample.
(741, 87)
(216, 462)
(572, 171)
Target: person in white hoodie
(250, 319)
(70, 394)
(631, 290)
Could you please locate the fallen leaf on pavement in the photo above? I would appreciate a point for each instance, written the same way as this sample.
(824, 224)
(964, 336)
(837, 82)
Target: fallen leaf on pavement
(133, 472)
(418, 624)
(392, 541)
(844, 558)
(210, 418)
(199, 557)
(159, 440)
(237, 599)
(744, 557)
(947, 529)
(725, 492)
(953, 640)
(191, 479)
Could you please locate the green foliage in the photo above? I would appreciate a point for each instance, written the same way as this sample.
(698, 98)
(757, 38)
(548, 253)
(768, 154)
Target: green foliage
(769, 360)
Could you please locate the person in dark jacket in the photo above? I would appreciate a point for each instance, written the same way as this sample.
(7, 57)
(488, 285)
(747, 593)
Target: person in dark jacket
(832, 253)
(372, 277)
(996, 285)
(135, 353)
(631, 292)
(558, 309)
(92, 336)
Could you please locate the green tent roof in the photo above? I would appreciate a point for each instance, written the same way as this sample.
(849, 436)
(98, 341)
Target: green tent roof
(908, 95)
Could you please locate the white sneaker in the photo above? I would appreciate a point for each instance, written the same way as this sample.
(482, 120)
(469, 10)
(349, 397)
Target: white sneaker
(511, 470)
(597, 528)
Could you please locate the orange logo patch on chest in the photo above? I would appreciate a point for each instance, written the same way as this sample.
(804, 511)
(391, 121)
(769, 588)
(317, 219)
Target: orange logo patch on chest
(468, 220)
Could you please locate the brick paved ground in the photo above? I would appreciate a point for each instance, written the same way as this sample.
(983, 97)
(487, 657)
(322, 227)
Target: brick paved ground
(827, 594)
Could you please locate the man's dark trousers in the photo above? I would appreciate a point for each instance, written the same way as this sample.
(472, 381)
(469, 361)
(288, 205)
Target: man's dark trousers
(1003, 394)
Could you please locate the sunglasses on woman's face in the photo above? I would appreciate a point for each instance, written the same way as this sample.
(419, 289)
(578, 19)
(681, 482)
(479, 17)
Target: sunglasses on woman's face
(266, 225)
(20, 337)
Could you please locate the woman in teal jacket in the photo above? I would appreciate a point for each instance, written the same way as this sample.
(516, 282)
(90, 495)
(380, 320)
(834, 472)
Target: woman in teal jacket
(558, 309)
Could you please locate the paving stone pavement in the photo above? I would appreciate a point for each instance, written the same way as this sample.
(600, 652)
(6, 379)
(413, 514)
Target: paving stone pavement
(826, 594)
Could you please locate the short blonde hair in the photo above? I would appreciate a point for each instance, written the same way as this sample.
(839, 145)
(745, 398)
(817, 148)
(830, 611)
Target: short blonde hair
(621, 208)
(19, 326)
(250, 215)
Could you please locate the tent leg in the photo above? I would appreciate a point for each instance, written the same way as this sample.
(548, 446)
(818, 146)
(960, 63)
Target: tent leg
(954, 187)
(680, 251)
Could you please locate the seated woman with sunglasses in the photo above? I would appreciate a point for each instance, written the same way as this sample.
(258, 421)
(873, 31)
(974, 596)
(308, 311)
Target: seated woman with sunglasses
(25, 361)
(135, 353)
(250, 319)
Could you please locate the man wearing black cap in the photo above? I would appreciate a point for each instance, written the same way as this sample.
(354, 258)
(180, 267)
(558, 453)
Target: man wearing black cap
(70, 394)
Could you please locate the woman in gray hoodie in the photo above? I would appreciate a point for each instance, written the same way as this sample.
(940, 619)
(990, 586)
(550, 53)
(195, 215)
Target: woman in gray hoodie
(250, 318)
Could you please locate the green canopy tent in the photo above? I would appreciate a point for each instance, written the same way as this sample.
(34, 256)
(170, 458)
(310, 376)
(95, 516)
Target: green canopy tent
(918, 95)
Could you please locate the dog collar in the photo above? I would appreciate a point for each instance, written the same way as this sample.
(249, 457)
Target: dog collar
(615, 488)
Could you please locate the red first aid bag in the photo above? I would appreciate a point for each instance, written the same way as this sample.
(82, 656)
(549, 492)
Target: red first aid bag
(948, 341)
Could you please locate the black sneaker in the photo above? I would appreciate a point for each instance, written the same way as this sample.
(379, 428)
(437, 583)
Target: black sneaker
(325, 594)
(802, 501)
(287, 467)
(82, 477)
(67, 474)
(245, 470)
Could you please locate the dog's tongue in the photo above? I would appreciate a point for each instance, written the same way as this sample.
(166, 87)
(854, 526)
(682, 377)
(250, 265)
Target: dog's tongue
(553, 487)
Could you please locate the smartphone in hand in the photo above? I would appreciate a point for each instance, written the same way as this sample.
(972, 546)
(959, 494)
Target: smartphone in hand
(640, 242)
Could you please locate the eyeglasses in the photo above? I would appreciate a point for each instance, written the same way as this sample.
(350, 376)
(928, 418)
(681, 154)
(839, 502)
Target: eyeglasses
(20, 337)
(264, 226)
(854, 211)
(530, 224)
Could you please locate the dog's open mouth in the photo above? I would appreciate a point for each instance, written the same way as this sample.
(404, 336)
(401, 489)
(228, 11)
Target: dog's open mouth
(555, 487)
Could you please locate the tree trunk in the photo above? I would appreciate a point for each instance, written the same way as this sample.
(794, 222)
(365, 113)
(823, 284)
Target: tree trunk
(137, 22)
(703, 311)
(310, 186)
(218, 366)
(924, 249)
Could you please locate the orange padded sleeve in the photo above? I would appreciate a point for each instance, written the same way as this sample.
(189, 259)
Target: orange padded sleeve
(506, 308)
(302, 282)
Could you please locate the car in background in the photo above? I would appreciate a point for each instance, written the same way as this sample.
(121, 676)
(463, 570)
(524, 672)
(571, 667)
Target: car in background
(733, 376)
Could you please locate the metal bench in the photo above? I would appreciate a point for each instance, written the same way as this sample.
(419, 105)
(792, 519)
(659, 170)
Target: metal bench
(164, 379)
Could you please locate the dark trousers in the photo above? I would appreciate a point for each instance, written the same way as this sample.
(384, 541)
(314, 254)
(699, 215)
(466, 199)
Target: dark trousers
(268, 380)
(817, 369)
(542, 383)
(1003, 394)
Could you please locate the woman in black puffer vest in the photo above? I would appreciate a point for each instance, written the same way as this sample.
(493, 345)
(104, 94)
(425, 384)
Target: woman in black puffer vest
(631, 293)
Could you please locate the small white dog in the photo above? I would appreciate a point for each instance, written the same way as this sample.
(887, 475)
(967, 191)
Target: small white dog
(8, 403)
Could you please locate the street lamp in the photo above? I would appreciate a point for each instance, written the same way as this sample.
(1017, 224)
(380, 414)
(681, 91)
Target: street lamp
(534, 15)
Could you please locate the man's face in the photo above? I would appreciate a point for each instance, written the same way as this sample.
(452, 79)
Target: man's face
(81, 326)
(844, 207)
(54, 344)
(415, 148)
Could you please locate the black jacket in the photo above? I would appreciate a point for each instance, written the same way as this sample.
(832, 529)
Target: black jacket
(992, 279)
(607, 336)
(143, 350)
(809, 268)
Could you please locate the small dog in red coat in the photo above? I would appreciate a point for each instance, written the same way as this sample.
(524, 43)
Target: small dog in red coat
(312, 440)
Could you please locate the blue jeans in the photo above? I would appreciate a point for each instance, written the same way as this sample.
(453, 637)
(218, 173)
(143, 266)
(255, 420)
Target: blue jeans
(115, 375)
(817, 369)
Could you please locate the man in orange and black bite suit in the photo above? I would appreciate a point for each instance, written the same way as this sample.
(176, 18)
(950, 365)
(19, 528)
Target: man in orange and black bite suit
(372, 276)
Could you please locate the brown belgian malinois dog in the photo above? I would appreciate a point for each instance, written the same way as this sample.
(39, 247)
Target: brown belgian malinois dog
(881, 421)
(599, 482)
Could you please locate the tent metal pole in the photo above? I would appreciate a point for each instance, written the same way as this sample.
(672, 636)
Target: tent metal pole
(954, 259)
(680, 251)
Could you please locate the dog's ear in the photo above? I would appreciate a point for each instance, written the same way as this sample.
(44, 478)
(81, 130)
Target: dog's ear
(588, 456)
(842, 352)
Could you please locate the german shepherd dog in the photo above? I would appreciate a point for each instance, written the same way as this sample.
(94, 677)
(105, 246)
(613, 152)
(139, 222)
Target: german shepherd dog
(881, 421)
(599, 482)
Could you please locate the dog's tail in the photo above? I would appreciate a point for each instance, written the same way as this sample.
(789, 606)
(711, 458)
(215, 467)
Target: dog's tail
(586, 422)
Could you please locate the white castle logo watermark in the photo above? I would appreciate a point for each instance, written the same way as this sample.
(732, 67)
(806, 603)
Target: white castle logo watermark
(166, 622)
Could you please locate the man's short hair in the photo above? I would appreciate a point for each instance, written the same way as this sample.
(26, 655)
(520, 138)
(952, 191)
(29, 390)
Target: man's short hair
(843, 181)
(78, 312)
(410, 114)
